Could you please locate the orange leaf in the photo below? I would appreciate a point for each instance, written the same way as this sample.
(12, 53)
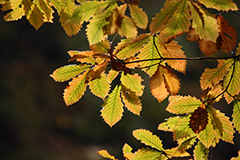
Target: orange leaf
(199, 119)
(171, 81)
(157, 85)
(192, 36)
(207, 47)
(96, 71)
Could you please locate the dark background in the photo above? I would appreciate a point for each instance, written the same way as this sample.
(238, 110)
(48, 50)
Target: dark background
(34, 121)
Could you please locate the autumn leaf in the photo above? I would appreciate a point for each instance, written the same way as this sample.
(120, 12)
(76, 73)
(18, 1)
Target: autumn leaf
(131, 100)
(236, 158)
(75, 90)
(128, 28)
(105, 154)
(199, 120)
(96, 71)
(200, 152)
(186, 143)
(138, 16)
(207, 47)
(236, 115)
(183, 105)
(67, 72)
(100, 86)
(112, 74)
(174, 51)
(225, 5)
(172, 83)
(101, 47)
(146, 154)
(112, 109)
(157, 85)
(127, 151)
(146, 137)
(169, 125)
(174, 152)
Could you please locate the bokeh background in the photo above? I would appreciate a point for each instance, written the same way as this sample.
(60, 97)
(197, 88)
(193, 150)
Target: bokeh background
(36, 124)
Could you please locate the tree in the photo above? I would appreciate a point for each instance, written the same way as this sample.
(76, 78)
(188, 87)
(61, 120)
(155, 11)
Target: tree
(111, 71)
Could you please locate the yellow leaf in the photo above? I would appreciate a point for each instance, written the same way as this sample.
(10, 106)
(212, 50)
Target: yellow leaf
(14, 14)
(112, 109)
(45, 7)
(75, 90)
(131, 100)
(127, 151)
(138, 16)
(205, 25)
(36, 18)
(105, 154)
(225, 5)
(169, 125)
(171, 81)
(157, 85)
(112, 74)
(147, 154)
(200, 152)
(174, 51)
(128, 28)
(174, 152)
(236, 115)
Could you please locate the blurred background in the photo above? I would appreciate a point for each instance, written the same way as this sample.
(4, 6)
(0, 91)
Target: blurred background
(34, 121)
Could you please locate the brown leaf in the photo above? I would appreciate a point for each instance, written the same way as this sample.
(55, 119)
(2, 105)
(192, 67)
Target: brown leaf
(227, 37)
(96, 71)
(171, 81)
(207, 47)
(199, 119)
(192, 36)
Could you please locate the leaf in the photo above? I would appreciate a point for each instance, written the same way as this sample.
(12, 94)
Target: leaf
(169, 125)
(96, 71)
(112, 109)
(35, 18)
(100, 86)
(67, 72)
(236, 158)
(102, 47)
(131, 48)
(75, 90)
(205, 25)
(157, 85)
(105, 154)
(133, 82)
(232, 82)
(14, 14)
(127, 151)
(131, 100)
(46, 8)
(146, 154)
(172, 83)
(219, 5)
(207, 47)
(149, 53)
(208, 136)
(138, 16)
(227, 36)
(174, 152)
(174, 51)
(199, 119)
(82, 56)
(236, 115)
(210, 77)
(128, 28)
(211, 95)
(112, 74)
(186, 143)
(215, 120)
(146, 137)
(200, 152)
(183, 105)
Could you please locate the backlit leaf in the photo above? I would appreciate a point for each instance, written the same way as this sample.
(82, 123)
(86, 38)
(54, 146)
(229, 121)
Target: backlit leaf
(102, 47)
(133, 82)
(172, 83)
(131, 100)
(207, 47)
(210, 77)
(205, 25)
(157, 85)
(236, 115)
(75, 90)
(35, 18)
(67, 72)
(236, 158)
(225, 5)
(200, 152)
(186, 143)
(138, 16)
(112, 109)
(83, 57)
(146, 137)
(198, 120)
(105, 154)
(46, 8)
(174, 51)
(14, 14)
(127, 151)
(100, 86)
(169, 125)
(112, 75)
(217, 124)
(174, 152)
(128, 28)
(96, 71)
(183, 105)
(147, 154)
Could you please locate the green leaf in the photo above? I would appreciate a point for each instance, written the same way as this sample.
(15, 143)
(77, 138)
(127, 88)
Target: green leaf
(186, 143)
(112, 74)
(75, 90)
(236, 115)
(200, 152)
(225, 5)
(205, 25)
(67, 72)
(138, 16)
(100, 86)
(146, 137)
(147, 154)
(127, 151)
(210, 77)
(169, 125)
(131, 100)
(183, 105)
(112, 109)
(133, 82)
